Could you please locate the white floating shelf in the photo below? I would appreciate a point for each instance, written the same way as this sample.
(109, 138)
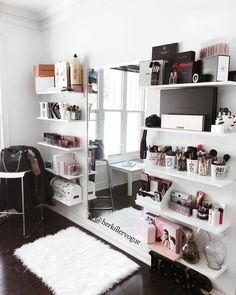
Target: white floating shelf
(59, 147)
(58, 91)
(200, 133)
(67, 202)
(69, 177)
(57, 120)
(92, 172)
(188, 85)
(196, 222)
(208, 180)
(202, 268)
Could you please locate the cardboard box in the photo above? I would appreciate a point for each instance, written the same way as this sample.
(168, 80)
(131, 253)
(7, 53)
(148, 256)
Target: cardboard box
(44, 70)
(183, 122)
(217, 67)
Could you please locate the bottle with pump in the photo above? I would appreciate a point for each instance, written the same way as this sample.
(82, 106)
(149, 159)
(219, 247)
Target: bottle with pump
(76, 75)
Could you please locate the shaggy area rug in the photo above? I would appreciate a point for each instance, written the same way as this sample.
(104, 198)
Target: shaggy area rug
(128, 219)
(71, 262)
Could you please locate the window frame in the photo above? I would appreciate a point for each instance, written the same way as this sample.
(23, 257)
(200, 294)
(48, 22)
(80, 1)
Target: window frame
(100, 115)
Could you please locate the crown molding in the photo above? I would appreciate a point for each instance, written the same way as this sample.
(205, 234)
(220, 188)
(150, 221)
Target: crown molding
(18, 17)
(56, 14)
(50, 17)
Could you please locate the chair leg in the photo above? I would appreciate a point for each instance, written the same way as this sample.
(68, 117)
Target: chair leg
(23, 213)
(38, 224)
(23, 204)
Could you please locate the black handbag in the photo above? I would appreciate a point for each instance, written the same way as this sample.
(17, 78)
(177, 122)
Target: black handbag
(14, 159)
(99, 151)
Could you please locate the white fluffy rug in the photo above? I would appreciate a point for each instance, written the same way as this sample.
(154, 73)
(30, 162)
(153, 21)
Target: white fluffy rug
(74, 263)
(128, 219)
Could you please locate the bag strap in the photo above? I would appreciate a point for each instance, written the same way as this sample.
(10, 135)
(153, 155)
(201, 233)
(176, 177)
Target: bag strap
(18, 164)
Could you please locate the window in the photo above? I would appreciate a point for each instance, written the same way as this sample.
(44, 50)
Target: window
(118, 113)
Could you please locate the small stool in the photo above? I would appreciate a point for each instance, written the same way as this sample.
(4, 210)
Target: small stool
(17, 175)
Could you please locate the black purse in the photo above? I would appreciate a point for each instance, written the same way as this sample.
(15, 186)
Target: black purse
(14, 159)
(99, 151)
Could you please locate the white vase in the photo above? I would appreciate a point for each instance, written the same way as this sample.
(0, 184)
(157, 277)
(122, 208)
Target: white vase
(215, 252)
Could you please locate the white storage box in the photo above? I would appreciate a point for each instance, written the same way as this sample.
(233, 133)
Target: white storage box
(183, 122)
(149, 204)
(42, 84)
(66, 191)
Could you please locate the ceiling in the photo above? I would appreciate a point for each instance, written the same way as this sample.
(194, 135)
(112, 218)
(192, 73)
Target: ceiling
(36, 7)
(33, 6)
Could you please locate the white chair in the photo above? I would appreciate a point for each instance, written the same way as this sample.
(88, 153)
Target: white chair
(17, 175)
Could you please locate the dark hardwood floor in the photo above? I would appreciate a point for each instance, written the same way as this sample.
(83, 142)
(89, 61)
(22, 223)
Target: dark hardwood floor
(16, 280)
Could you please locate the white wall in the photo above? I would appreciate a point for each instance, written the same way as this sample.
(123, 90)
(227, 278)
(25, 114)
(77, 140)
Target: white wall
(107, 32)
(20, 50)
(112, 32)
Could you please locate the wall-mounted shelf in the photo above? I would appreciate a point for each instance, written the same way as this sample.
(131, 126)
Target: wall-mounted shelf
(67, 202)
(201, 266)
(149, 206)
(208, 180)
(180, 131)
(58, 120)
(57, 91)
(59, 147)
(92, 172)
(92, 146)
(188, 85)
(69, 177)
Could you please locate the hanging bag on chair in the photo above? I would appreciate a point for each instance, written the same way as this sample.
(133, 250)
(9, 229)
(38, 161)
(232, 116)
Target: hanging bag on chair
(14, 159)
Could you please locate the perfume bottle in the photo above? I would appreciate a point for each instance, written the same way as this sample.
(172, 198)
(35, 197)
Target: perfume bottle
(75, 169)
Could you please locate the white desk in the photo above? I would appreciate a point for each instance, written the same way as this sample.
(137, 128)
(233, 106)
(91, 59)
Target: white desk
(129, 170)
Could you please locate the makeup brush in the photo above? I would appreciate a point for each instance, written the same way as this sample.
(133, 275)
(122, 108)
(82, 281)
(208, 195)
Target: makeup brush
(225, 159)
(213, 154)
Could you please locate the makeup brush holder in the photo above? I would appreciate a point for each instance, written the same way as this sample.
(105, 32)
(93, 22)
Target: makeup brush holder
(170, 161)
(153, 157)
(219, 171)
(192, 166)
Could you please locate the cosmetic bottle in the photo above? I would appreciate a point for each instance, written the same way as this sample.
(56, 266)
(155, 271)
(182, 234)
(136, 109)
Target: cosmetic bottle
(221, 210)
(148, 231)
(171, 78)
(175, 77)
(215, 217)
